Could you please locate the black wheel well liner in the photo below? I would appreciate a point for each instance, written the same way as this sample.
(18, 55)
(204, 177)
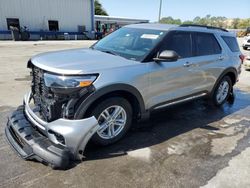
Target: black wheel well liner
(126, 91)
(231, 72)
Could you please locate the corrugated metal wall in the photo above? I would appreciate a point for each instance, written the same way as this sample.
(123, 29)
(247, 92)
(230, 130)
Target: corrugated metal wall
(35, 13)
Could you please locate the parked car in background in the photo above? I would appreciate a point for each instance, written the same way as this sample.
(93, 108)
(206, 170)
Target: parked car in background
(98, 92)
(247, 63)
(246, 42)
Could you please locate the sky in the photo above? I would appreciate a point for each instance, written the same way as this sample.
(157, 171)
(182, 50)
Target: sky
(183, 9)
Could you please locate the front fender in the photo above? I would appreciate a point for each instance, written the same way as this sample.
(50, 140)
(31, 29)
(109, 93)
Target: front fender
(85, 104)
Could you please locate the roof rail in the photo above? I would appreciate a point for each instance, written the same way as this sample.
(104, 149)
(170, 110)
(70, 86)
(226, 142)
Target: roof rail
(204, 26)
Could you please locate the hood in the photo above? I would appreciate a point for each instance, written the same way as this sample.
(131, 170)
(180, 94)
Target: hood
(79, 61)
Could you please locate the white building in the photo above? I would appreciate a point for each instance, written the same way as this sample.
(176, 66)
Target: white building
(43, 17)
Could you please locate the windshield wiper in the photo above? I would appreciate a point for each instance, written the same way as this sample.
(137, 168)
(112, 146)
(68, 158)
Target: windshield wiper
(109, 52)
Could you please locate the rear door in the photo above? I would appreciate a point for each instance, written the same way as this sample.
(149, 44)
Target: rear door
(208, 60)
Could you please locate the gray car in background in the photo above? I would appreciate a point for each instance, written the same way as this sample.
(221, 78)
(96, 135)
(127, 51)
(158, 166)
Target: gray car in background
(97, 93)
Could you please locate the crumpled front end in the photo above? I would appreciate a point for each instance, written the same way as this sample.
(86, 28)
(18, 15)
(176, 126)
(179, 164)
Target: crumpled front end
(56, 143)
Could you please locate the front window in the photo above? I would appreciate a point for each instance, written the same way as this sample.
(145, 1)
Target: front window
(130, 43)
(180, 42)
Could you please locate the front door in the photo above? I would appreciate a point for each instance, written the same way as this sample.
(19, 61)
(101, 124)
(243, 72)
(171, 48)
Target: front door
(177, 79)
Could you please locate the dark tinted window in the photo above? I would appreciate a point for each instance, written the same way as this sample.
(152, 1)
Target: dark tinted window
(206, 44)
(180, 42)
(232, 43)
(13, 22)
(53, 25)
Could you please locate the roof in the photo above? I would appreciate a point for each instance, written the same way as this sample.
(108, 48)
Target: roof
(168, 27)
(154, 26)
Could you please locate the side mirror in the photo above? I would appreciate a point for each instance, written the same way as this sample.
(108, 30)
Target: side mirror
(167, 55)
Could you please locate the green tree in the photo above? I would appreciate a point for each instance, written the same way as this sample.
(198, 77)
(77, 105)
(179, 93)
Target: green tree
(243, 23)
(217, 21)
(235, 23)
(167, 20)
(203, 21)
(197, 20)
(221, 21)
(188, 22)
(99, 10)
(170, 20)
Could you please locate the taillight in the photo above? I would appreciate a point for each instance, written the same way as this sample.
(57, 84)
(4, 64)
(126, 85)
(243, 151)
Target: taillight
(242, 57)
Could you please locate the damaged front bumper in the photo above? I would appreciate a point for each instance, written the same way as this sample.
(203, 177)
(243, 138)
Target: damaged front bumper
(55, 143)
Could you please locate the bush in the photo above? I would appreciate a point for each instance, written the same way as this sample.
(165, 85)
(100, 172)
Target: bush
(241, 33)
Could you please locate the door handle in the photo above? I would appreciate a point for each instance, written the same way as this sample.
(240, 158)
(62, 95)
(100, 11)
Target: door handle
(187, 64)
(221, 58)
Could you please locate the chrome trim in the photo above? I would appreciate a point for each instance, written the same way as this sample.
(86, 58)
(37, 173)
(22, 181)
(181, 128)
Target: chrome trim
(181, 100)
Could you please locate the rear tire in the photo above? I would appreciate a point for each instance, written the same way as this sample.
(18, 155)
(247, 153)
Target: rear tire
(245, 48)
(222, 91)
(114, 115)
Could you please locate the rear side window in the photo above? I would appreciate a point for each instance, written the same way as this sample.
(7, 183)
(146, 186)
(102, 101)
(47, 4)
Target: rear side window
(231, 43)
(180, 42)
(206, 44)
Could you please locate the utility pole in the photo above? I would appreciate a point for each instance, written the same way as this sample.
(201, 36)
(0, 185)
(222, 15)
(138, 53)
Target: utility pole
(160, 11)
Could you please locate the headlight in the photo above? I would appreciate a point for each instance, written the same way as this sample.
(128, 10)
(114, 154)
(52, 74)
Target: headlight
(57, 81)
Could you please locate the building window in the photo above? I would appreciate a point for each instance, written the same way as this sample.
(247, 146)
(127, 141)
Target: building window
(53, 25)
(81, 28)
(13, 22)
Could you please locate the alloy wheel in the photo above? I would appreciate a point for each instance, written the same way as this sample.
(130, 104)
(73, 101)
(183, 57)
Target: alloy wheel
(112, 120)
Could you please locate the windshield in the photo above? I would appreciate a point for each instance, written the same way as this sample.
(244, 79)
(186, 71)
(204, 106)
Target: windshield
(130, 43)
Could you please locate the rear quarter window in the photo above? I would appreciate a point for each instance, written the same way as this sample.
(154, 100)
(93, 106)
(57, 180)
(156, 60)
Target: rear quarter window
(231, 43)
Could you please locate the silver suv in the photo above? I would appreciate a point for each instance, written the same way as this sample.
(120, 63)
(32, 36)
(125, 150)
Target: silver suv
(96, 93)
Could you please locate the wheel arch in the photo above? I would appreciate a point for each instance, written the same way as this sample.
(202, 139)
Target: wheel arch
(231, 72)
(126, 91)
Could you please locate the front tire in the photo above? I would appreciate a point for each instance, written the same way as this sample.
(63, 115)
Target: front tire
(222, 91)
(114, 116)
